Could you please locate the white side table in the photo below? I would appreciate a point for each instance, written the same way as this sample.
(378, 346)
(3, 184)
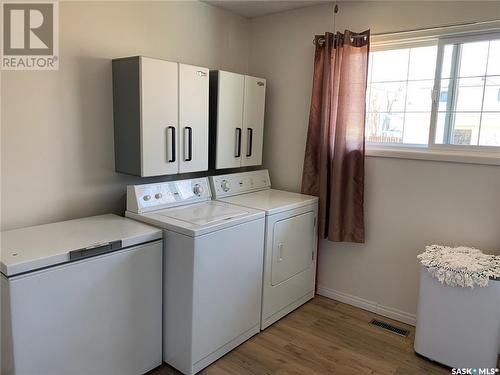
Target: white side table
(458, 327)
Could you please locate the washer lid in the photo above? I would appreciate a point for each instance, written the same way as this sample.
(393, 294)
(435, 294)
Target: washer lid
(198, 218)
(272, 201)
(28, 249)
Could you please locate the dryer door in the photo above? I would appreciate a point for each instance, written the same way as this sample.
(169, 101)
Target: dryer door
(293, 243)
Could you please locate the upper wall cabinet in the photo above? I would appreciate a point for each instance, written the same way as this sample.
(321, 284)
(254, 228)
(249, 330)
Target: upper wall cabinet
(236, 119)
(160, 113)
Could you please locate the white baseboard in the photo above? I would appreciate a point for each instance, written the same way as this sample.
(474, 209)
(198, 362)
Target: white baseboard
(389, 312)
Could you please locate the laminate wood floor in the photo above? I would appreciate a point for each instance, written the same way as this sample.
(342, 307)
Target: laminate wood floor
(323, 337)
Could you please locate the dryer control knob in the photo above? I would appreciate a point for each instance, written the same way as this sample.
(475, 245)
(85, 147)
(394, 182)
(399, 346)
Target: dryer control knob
(146, 197)
(198, 189)
(225, 185)
(158, 195)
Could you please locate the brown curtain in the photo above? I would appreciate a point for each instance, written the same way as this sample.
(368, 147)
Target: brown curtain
(335, 149)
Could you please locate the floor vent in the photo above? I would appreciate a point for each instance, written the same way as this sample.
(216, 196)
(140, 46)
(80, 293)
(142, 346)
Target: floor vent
(390, 327)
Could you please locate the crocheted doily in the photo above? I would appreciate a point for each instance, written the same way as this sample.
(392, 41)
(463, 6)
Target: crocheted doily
(460, 266)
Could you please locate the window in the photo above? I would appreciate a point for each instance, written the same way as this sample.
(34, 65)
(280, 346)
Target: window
(444, 93)
(470, 76)
(399, 102)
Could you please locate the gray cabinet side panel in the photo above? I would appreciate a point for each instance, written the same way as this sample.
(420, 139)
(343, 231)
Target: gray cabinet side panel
(127, 115)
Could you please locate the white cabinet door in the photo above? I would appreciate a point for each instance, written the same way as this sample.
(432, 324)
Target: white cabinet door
(193, 118)
(229, 146)
(253, 120)
(159, 116)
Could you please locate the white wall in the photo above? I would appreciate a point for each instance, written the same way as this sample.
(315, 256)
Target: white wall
(57, 133)
(57, 130)
(409, 203)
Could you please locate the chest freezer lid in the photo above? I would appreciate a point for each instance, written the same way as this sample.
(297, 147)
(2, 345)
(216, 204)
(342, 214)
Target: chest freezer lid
(27, 249)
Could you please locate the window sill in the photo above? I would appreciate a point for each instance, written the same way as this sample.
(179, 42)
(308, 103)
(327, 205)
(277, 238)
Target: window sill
(489, 158)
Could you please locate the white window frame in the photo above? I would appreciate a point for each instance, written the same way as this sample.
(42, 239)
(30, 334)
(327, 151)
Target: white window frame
(432, 151)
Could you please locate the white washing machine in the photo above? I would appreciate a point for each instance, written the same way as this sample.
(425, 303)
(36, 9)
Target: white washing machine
(290, 239)
(212, 269)
(81, 297)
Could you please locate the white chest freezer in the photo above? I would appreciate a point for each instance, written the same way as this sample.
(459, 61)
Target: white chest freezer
(81, 297)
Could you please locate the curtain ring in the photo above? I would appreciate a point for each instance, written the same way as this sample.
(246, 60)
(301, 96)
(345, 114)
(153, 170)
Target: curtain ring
(319, 41)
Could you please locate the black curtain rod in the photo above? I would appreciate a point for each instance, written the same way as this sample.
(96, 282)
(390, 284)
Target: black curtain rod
(430, 28)
(321, 40)
(447, 26)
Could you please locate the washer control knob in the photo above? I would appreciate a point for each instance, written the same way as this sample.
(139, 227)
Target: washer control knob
(225, 185)
(198, 189)
(158, 195)
(146, 197)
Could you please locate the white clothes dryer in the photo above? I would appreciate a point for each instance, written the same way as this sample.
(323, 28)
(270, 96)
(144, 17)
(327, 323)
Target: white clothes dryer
(290, 239)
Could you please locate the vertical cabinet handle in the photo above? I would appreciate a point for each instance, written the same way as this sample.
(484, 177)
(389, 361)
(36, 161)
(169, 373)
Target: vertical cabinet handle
(249, 142)
(171, 158)
(188, 143)
(237, 151)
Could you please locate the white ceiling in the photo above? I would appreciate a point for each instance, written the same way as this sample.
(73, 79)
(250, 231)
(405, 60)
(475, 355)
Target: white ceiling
(257, 8)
